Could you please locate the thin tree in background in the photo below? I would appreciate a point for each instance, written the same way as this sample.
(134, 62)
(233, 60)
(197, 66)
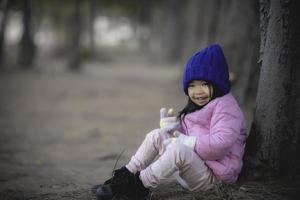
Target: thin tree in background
(143, 15)
(273, 147)
(195, 10)
(172, 37)
(6, 6)
(27, 46)
(75, 56)
(92, 15)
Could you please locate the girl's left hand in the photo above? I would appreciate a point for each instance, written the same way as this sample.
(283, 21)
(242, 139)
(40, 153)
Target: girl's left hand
(180, 138)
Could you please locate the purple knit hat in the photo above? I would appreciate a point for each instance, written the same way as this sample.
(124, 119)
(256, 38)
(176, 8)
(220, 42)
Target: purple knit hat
(210, 65)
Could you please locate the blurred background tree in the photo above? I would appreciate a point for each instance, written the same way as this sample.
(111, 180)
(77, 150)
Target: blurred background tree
(5, 6)
(26, 45)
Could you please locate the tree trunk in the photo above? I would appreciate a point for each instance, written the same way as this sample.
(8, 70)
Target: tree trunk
(272, 149)
(27, 47)
(172, 38)
(6, 5)
(75, 57)
(210, 21)
(92, 4)
(143, 15)
(194, 19)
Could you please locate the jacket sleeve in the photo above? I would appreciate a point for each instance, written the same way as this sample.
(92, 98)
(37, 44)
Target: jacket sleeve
(225, 128)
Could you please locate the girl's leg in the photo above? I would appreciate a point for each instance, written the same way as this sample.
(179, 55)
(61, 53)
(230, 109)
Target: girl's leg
(125, 181)
(178, 157)
(149, 149)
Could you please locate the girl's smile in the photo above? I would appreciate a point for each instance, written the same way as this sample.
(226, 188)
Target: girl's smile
(200, 92)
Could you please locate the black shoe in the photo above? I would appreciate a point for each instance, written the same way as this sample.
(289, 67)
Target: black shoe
(114, 186)
(123, 185)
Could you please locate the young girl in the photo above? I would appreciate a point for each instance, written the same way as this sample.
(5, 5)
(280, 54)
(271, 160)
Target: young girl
(204, 144)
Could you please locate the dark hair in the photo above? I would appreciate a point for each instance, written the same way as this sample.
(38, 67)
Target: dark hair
(192, 107)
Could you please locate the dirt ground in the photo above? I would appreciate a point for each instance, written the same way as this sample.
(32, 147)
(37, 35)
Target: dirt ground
(62, 132)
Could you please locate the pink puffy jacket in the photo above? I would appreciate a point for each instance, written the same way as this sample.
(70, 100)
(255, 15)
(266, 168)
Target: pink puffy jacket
(220, 129)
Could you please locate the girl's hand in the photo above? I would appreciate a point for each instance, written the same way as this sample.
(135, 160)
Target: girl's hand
(168, 121)
(180, 138)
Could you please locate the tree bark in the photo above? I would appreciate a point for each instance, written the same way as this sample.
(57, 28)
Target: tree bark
(272, 149)
(27, 47)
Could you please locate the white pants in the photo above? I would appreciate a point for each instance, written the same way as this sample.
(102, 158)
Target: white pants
(175, 158)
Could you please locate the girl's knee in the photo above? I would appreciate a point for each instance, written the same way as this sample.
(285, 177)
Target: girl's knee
(152, 134)
(182, 153)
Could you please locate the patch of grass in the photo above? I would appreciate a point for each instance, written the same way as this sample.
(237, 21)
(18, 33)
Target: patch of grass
(245, 191)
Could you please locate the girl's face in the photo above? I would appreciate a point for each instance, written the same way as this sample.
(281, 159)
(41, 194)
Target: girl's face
(200, 92)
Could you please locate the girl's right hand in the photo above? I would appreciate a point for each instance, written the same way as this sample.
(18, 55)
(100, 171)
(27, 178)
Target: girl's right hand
(168, 121)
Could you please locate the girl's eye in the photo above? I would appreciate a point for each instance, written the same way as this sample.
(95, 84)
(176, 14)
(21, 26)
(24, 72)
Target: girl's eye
(191, 85)
(205, 84)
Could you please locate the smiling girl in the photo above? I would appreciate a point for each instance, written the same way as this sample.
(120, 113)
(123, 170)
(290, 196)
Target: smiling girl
(204, 144)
